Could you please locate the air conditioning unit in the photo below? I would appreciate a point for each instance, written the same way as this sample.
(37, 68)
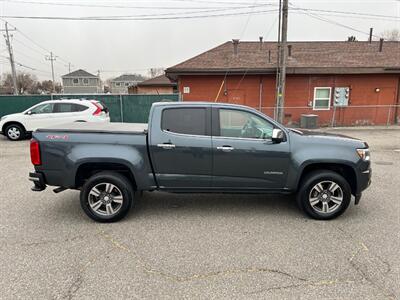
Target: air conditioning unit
(309, 121)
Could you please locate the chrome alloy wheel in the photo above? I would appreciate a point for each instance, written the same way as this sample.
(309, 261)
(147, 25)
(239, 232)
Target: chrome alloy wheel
(326, 197)
(14, 133)
(105, 199)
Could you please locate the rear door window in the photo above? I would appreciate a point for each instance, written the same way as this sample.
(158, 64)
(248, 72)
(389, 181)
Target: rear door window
(184, 120)
(63, 107)
(78, 107)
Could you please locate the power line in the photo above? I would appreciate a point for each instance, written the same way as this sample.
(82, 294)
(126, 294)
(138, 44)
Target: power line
(348, 13)
(213, 10)
(29, 57)
(135, 18)
(34, 42)
(24, 65)
(29, 47)
(316, 16)
(127, 6)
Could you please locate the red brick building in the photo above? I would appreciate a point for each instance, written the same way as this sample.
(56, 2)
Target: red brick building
(245, 73)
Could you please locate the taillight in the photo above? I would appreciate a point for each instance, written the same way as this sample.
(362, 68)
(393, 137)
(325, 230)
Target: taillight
(35, 153)
(98, 110)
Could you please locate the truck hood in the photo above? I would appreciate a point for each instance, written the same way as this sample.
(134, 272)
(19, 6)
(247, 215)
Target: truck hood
(329, 137)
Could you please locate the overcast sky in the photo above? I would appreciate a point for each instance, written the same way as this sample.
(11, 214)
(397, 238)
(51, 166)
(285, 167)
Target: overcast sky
(134, 46)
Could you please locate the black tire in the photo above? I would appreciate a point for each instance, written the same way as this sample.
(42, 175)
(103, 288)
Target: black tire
(11, 130)
(304, 196)
(123, 186)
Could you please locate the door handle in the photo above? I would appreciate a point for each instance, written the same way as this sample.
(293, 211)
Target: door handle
(166, 146)
(225, 148)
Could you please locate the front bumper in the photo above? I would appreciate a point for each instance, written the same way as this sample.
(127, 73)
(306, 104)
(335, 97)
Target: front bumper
(38, 181)
(364, 181)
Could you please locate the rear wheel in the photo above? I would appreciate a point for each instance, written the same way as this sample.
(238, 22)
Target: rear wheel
(106, 197)
(15, 132)
(324, 195)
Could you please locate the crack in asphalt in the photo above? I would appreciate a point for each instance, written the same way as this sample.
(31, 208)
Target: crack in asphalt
(74, 287)
(308, 284)
(176, 278)
(46, 242)
(361, 267)
(77, 280)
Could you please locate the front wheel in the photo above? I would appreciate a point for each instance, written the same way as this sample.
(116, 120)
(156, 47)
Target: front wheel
(15, 132)
(106, 197)
(324, 195)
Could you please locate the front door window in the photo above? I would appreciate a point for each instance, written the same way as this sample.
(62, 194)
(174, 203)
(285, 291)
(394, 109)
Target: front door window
(242, 124)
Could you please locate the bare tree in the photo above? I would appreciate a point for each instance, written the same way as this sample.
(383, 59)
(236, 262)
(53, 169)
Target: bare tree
(154, 72)
(46, 87)
(391, 35)
(28, 84)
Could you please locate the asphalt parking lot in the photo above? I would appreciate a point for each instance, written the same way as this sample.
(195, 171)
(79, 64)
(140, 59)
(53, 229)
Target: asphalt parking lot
(200, 246)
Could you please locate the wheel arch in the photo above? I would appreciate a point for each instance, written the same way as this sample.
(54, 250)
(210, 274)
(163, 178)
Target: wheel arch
(5, 125)
(88, 169)
(342, 168)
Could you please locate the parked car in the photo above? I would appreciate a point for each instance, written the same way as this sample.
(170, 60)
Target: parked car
(53, 112)
(199, 147)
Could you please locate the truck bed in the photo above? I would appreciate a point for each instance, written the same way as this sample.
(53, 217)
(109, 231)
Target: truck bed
(127, 128)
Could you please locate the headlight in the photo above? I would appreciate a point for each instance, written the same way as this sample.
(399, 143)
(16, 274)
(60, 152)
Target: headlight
(364, 154)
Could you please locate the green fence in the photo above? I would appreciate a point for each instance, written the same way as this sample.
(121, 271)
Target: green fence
(123, 108)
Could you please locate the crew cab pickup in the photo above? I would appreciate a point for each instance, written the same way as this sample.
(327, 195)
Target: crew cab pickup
(196, 147)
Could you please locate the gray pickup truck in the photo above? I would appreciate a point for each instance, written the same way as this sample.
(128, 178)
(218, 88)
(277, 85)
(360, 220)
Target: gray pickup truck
(196, 147)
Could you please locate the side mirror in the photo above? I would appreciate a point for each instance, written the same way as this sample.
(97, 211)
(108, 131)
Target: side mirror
(277, 135)
(29, 112)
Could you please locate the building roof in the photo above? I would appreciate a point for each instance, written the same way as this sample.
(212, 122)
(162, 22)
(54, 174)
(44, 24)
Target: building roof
(161, 80)
(129, 77)
(79, 73)
(306, 58)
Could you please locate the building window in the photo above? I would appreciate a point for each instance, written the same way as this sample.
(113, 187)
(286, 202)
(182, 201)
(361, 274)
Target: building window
(126, 83)
(322, 98)
(75, 81)
(118, 84)
(86, 81)
(186, 90)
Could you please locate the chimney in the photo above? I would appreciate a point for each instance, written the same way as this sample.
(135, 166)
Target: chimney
(370, 35)
(261, 42)
(289, 50)
(380, 44)
(235, 43)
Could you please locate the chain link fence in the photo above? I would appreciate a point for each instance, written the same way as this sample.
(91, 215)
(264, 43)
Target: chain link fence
(353, 115)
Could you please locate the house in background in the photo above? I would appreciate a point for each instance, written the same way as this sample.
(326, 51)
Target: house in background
(121, 84)
(344, 83)
(157, 85)
(81, 82)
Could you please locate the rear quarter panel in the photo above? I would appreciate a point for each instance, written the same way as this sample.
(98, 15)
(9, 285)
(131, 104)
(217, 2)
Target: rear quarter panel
(63, 153)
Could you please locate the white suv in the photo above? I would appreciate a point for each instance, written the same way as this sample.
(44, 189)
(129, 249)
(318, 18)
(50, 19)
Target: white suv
(54, 112)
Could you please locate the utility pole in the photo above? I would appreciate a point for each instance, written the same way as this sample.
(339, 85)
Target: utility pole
(11, 56)
(52, 58)
(280, 103)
